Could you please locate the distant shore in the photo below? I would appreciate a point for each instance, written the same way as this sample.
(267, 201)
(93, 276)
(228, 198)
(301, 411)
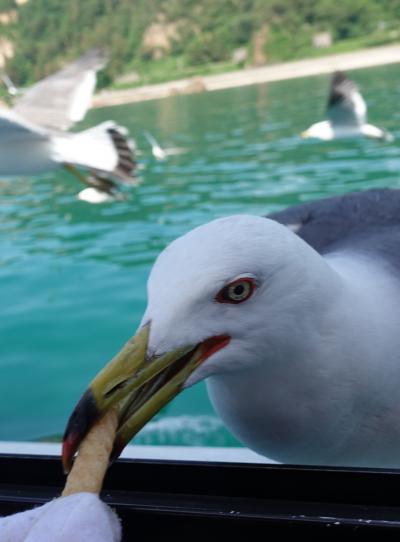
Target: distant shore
(366, 58)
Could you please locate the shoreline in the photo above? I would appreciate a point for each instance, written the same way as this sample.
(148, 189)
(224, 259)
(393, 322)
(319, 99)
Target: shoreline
(365, 58)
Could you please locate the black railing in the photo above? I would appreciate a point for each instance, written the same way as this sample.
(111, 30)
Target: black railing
(191, 500)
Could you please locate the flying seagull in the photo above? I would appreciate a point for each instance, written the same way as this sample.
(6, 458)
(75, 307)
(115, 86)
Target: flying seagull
(11, 88)
(157, 151)
(293, 320)
(347, 114)
(34, 136)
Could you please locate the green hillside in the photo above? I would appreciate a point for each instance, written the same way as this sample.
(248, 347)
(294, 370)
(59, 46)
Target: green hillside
(167, 39)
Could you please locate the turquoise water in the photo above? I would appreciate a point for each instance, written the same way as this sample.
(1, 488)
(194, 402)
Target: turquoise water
(73, 275)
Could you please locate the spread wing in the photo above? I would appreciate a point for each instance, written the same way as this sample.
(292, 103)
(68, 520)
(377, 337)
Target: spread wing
(61, 99)
(346, 106)
(14, 130)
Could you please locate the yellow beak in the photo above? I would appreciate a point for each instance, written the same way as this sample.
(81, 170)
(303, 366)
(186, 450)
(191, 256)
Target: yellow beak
(137, 386)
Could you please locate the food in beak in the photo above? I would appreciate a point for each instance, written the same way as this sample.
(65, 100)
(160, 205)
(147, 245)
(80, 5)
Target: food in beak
(137, 386)
(87, 473)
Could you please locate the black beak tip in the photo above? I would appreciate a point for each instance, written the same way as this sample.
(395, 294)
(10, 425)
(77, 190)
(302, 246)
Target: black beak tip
(81, 420)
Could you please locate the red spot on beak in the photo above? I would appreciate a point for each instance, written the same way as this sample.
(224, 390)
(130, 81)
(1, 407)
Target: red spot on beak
(212, 345)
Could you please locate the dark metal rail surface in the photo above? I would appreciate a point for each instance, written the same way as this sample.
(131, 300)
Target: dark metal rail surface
(193, 500)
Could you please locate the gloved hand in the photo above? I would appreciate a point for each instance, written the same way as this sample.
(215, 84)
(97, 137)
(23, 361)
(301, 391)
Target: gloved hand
(81, 517)
(78, 515)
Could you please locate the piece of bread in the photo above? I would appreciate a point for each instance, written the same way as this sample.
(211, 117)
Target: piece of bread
(91, 463)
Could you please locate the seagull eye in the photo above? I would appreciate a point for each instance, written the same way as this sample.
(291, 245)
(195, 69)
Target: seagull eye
(237, 291)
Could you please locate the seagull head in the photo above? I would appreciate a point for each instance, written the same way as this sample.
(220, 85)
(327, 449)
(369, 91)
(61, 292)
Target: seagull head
(219, 298)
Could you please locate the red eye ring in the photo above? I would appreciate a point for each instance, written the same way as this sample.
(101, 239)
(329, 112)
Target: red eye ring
(237, 291)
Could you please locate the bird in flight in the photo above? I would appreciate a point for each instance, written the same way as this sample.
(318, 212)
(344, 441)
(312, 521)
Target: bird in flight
(35, 136)
(159, 152)
(346, 114)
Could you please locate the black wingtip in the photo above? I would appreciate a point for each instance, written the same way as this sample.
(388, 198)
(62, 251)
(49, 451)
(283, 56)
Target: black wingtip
(127, 164)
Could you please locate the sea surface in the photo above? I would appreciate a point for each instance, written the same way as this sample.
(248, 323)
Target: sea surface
(73, 275)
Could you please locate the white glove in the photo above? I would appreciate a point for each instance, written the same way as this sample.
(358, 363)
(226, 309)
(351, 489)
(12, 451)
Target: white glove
(81, 517)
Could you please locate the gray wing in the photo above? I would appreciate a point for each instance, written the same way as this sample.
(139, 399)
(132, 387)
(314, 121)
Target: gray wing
(366, 221)
(346, 106)
(61, 99)
(14, 130)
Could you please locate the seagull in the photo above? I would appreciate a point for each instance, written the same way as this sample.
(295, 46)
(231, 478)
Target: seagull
(34, 136)
(158, 152)
(293, 320)
(347, 114)
(10, 87)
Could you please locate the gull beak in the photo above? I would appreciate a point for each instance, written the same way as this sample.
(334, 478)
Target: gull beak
(137, 386)
(305, 134)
